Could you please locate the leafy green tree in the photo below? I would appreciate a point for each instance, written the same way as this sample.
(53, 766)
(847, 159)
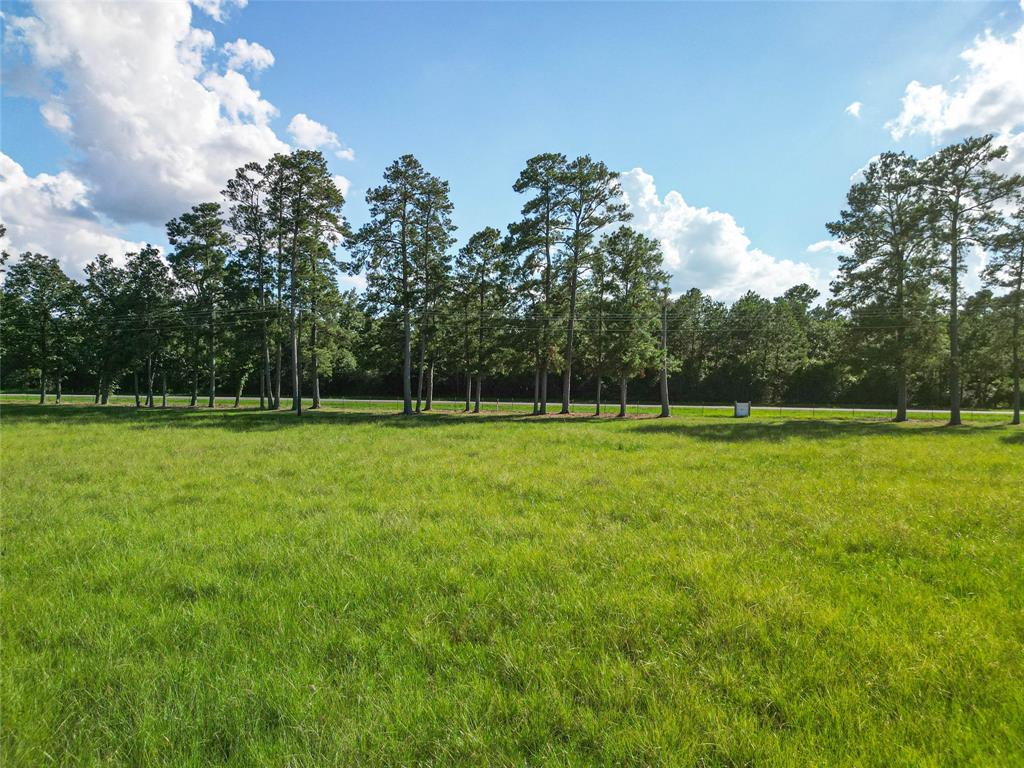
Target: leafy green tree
(886, 275)
(591, 200)
(40, 312)
(636, 285)
(385, 249)
(1005, 270)
(432, 240)
(963, 190)
(149, 299)
(198, 263)
(484, 272)
(535, 238)
(252, 225)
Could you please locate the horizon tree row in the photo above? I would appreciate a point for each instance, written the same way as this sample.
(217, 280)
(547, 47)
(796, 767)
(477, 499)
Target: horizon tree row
(249, 296)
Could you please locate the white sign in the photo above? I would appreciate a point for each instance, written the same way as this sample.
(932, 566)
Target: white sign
(741, 410)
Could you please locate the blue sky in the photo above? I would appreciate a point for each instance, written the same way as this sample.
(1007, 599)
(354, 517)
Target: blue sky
(740, 109)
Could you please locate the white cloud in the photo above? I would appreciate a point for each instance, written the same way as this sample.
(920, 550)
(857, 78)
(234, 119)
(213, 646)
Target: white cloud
(154, 126)
(56, 115)
(342, 183)
(706, 248)
(215, 9)
(854, 109)
(241, 54)
(987, 97)
(52, 214)
(832, 247)
(309, 134)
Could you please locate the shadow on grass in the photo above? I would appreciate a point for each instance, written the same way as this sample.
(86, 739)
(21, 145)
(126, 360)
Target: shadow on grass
(714, 429)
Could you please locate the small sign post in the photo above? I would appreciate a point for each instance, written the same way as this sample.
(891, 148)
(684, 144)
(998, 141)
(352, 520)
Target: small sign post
(741, 410)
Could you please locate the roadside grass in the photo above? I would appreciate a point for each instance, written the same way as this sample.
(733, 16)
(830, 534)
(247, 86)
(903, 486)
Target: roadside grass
(193, 587)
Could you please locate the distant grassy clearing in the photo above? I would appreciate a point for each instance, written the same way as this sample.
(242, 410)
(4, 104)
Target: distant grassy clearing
(609, 408)
(358, 588)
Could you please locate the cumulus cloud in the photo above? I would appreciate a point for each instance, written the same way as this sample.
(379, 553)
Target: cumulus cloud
(52, 214)
(987, 97)
(854, 109)
(707, 249)
(242, 54)
(155, 123)
(309, 134)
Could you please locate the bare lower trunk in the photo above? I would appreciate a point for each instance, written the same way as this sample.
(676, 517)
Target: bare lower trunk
(469, 391)
(622, 397)
(163, 388)
(406, 364)
(544, 389)
(901, 394)
(536, 390)
(314, 363)
(213, 365)
(135, 386)
(954, 334)
(430, 386)
(60, 375)
(238, 392)
(264, 365)
(278, 376)
(99, 390)
(597, 399)
(296, 368)
(195, 388)
(420, 370)
(476, 396)
(149, 383)
(105, 398)
(665, 410)
(1016, 359)
(42, 386)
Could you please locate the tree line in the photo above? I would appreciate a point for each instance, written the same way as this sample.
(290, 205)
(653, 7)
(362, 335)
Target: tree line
(569, 297)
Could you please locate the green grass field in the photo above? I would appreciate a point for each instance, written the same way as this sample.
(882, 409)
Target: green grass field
(193, 588)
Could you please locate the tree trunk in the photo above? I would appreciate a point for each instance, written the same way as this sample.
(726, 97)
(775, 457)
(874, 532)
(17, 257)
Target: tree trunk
(569, 336)
(536, 390)
(135, 386)
(278, 375)
(665, 410)
(544, 388)
(163, 387)
(213, 359)
(597, 404)
(99, 390)
(469, 390)
(106, 390)
(406, 363)
(296, 367)
(195, 387)
(476, 398)
(1016, 351)
(420, 367)
(264, 363)
(901, 377)
(60, 375)
(42, 386)
(954, 329)
(149, 382)
(622, 397)
(430, 386)
(238, 392)
(315, 364)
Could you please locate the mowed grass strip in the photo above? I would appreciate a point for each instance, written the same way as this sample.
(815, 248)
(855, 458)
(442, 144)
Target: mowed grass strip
(192, 588)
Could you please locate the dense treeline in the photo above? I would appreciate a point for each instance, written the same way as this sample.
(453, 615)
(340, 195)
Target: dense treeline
(568, 299)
